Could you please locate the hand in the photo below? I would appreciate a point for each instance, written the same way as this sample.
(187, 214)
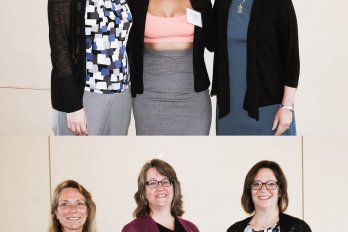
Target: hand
(282, 121)
(77, 122)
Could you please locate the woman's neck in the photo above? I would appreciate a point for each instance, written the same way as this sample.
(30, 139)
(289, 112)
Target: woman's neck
(163, 217)
(263, 219)
(67, 230)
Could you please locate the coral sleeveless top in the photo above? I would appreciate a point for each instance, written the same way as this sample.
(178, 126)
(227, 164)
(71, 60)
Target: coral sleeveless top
(167, 29)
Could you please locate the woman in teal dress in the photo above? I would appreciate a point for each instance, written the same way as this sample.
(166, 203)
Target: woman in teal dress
(256, 67)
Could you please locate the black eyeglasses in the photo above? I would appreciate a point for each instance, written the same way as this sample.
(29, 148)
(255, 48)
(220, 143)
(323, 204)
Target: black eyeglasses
(154, 183)
(270, 185)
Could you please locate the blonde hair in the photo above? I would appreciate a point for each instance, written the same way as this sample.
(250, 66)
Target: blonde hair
(90, 225)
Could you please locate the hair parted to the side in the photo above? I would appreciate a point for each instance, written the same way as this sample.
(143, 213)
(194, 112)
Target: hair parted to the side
(90, 224)
(164, 169)
(283, 201)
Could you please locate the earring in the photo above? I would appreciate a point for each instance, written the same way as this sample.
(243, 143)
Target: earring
(144, 199)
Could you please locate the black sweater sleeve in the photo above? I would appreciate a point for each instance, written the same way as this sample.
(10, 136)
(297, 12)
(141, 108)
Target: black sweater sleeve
(287, 26)
(209, 23)
(64, 81)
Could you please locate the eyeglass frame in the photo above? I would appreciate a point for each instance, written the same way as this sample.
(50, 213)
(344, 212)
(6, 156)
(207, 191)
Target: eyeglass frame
(264, 183)
(74, 205)
(171, 182)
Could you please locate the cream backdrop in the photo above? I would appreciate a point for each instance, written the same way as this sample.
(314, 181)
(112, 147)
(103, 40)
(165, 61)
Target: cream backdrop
(25, 69)
(211, 171)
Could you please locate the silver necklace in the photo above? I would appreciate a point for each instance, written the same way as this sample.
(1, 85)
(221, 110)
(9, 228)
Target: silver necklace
(240, 7)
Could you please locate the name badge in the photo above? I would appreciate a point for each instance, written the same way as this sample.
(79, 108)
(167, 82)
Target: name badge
(194, 17)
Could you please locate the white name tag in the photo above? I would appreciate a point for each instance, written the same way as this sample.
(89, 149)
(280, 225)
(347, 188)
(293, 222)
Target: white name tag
(194, 17)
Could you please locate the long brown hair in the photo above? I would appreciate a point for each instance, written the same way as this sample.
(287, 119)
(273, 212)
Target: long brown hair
(164, 169)
(89, 225)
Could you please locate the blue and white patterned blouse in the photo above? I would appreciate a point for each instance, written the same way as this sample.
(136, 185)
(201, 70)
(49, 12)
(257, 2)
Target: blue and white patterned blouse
(107, 25)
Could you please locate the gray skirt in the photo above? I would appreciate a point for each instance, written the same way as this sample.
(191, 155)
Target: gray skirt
(169, 104)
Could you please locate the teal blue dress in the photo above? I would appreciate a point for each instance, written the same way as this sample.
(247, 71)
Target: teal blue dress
(237, 122)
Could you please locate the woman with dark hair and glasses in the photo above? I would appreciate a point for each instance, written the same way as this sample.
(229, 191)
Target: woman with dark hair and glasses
(159, 201)
(265, 196)
(72, 209)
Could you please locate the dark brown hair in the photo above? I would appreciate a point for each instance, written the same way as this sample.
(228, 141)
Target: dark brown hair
(89, 225)
(164, 169)
(283, 200)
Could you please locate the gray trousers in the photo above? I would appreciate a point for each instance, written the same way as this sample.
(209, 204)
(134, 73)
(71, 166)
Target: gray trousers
(107, 114)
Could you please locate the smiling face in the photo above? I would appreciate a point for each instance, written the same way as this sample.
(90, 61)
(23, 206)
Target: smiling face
(263, 198)
(71, 211)
(159, 198)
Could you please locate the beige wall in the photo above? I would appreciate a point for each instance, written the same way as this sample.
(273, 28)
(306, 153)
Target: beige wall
(25, 184)
(325, 179)
(211, 171)
(320, 101)
(24, 112)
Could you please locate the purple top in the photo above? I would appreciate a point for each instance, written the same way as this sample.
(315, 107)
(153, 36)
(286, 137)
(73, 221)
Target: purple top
(147, 224)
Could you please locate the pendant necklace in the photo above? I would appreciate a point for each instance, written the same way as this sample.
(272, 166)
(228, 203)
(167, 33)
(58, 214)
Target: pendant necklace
(240, 7)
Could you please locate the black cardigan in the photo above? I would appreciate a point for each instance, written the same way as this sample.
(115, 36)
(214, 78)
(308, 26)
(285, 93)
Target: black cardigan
(272, 55)
(203, 37)
(287, 223)
(68, 53)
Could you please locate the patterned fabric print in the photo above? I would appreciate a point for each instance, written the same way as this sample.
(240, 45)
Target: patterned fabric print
(107, 27)
(275, 228)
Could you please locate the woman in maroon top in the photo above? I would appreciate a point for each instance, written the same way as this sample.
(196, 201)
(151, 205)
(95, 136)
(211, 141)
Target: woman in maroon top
(159, 201)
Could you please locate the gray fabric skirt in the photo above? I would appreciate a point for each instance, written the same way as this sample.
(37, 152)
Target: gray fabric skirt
(169, 104)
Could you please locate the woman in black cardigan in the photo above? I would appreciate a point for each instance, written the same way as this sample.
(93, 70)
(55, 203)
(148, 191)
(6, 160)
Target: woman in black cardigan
(256, 67)
(265, 196)
(90, 74)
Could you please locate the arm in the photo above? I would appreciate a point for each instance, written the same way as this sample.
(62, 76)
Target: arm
(210, 33)
(59, 16)
(77, 122)
(289, 48)
(132, 227)
(289, 45)
(307, 229)
(283, 117)
(215, 81)
(59, 19)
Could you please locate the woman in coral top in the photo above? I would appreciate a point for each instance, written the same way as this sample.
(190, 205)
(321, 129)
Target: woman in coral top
(169, 77)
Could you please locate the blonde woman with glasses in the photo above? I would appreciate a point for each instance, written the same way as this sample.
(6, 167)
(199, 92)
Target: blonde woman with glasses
(72, 209)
